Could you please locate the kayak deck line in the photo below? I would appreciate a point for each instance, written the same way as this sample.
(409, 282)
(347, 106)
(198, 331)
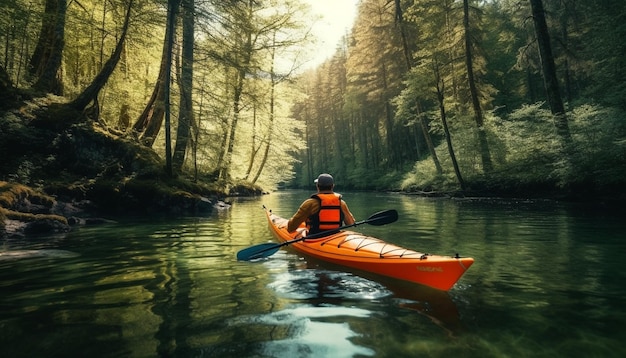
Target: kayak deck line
(365, 241)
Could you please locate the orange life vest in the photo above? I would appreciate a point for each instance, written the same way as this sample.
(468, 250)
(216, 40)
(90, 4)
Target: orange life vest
(330, 215)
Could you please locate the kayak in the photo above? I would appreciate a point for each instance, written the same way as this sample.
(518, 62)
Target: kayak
(372, 255)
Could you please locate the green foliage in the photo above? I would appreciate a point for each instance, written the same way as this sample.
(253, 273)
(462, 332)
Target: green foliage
(357, 115)
(599, 146)
(424, 177)
(532, 158)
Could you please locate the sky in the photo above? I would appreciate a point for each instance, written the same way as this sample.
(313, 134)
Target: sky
(337, 17)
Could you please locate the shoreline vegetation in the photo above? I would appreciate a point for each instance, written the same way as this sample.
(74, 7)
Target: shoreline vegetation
(60, 170)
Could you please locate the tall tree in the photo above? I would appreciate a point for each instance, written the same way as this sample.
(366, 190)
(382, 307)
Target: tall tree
(267, 139)
(376, 64)
(149, 123)
(478, 112)
(90, 94)
(549, 69)
(45, 64)
(172, 11)
(440, 90)
(185, 116)
(403, 33)
(246, 53)
(243, 56)
(410, 90)
(46, 33)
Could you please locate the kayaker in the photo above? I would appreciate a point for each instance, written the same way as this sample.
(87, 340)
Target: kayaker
(323, 211)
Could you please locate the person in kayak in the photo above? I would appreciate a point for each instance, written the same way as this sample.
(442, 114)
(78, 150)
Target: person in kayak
(324, 210)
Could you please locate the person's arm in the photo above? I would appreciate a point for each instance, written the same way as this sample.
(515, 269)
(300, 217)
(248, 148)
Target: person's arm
(348, 218)
(304, 211)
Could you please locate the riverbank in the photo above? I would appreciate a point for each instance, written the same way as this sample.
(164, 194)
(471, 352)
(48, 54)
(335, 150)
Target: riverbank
(59, 172)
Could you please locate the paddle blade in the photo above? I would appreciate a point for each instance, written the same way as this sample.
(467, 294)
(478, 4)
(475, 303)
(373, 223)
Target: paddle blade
(383, 217)
(258, 251)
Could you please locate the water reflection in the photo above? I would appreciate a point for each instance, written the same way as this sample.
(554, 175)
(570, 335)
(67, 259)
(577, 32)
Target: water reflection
(325, 313)
(437, 305)
(546, 282)
(308, 331)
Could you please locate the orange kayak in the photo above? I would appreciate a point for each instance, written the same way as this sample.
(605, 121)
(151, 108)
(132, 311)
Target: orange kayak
(369, 254)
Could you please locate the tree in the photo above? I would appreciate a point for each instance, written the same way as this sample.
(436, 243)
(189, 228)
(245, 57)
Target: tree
(267, 142)
(90, 94)
(149, 123)
(409, 107)
(245, 52)
(375, 66)
(410, 92)
(172, 12)
(549, 70)
(478, 113)
(440, 90)
(47, 57)
(185, 116)
(245, 36)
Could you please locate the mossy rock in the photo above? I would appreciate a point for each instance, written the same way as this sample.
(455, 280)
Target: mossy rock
(31, 208)
(17, 196)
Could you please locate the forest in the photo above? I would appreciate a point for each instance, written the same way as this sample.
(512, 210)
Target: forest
(490, 97)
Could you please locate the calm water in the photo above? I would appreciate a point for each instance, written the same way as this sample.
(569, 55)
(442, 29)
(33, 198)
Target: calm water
(548, 282)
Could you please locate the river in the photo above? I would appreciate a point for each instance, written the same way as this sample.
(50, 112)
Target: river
(548, 281)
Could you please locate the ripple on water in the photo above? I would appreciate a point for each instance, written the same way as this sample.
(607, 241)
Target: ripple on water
(314, 284)
(27, 254)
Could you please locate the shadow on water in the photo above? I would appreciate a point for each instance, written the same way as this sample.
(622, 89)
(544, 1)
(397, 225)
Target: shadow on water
(435, 304)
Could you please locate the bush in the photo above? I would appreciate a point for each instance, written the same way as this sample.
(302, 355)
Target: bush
(530, 158)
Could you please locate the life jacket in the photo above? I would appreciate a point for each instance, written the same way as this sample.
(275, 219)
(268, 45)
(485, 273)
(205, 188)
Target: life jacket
(330, 215)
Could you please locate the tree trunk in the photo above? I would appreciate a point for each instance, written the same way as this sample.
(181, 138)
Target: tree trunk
(224, 121)
(393, 161)
(429, 140)
(405, 43)
(90, 94)
(442, 111)
(172, 11)
(46, 33)
(272, 115)
(270, 130)
(228, 154)
(237, 94)
(549, 70)
(254, 149)
(308, 138)
(149, 122)
(195, 126)
(24, 42)
(48, 61)
(185, 117)
(485, 153)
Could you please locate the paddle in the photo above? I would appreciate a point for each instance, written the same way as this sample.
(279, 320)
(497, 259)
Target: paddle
(268, 249)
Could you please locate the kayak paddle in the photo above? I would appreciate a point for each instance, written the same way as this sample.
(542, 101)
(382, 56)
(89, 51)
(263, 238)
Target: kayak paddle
(268, 249)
